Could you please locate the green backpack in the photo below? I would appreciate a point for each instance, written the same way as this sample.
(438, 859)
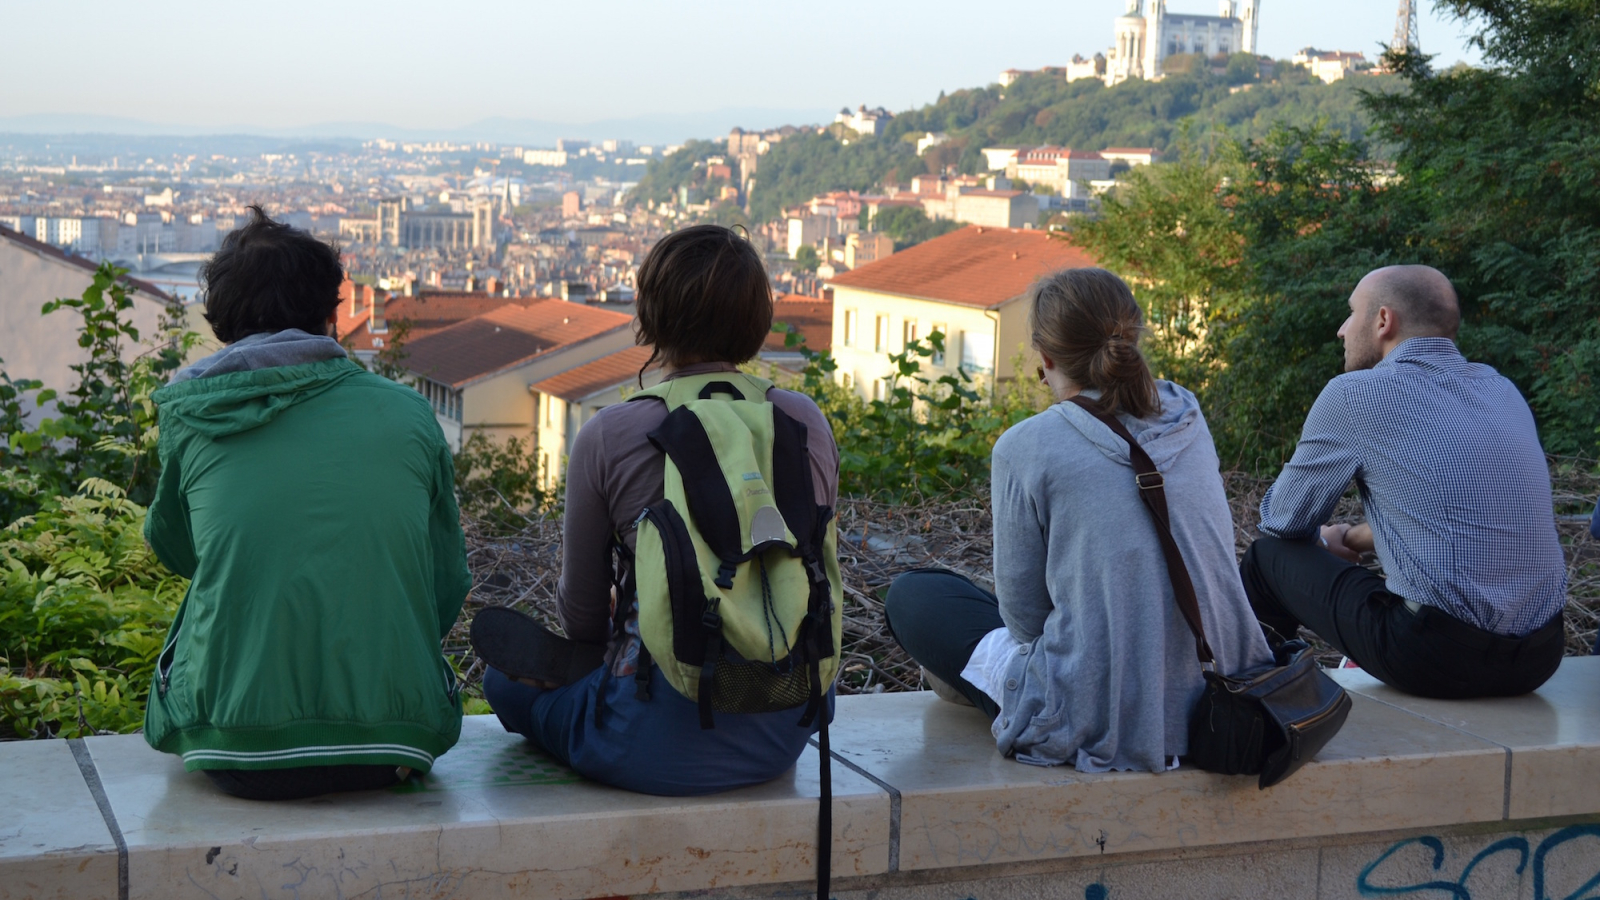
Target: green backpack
(736, 568)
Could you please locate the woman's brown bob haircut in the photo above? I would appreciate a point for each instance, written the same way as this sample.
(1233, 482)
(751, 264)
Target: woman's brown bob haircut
(1088, 323)
(703, 296)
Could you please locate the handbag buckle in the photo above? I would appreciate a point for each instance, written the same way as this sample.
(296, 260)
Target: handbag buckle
(1154, 481)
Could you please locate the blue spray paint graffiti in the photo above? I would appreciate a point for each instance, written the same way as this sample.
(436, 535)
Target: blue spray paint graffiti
(1096, 892)
(1457, 889)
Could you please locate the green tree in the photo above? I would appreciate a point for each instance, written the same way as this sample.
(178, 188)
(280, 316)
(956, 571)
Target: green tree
(805, 257)
(1501, 166)
(909, 225)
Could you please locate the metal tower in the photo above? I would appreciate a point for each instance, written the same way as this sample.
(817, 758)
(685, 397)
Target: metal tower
(1405, 28)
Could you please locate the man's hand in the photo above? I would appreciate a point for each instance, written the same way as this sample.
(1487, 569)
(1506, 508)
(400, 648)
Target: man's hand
(1335, 539)
(1359, 538)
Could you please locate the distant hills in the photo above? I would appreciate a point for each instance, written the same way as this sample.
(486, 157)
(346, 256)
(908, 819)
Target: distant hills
(664, 128)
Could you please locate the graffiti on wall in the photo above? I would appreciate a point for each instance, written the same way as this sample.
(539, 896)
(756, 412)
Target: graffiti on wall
(1564, 850)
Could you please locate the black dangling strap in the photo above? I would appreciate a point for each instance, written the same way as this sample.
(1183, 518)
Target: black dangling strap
(825, 780)
(641, 675)
(708, 679)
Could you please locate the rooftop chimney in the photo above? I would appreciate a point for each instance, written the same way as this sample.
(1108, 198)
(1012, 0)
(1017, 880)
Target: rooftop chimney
(376, 323)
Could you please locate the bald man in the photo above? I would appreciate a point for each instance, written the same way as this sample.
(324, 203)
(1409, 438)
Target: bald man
(1457, 499)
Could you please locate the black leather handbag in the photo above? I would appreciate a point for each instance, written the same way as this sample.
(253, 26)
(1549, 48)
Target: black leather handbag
(1268, 721)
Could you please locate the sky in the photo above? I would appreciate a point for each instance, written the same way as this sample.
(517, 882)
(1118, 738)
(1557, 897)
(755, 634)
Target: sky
(295, 63)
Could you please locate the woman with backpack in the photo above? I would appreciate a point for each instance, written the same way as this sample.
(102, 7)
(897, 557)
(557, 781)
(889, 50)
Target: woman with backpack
(1081, 656)
(608, 699)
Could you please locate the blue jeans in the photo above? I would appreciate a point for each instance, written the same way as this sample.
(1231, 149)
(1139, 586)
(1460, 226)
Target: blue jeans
(653, 746)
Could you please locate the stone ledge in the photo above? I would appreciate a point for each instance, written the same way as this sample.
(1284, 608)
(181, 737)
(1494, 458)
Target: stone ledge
(920, 794)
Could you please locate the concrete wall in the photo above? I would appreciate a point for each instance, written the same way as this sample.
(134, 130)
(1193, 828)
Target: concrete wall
(1535, 860)
(45, 347)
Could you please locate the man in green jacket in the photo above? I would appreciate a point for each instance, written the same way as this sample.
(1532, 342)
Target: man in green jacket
(312, 505)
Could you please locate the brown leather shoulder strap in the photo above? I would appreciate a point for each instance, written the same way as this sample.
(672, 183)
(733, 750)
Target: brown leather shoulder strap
(1152, 490)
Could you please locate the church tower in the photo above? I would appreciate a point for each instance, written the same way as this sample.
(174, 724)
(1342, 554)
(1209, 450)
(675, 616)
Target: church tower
(1249, 15)
(1155, 37)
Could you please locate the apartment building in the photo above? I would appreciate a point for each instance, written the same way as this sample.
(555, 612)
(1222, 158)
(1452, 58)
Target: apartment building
(566, 402)
(479, 373)
(969, 285)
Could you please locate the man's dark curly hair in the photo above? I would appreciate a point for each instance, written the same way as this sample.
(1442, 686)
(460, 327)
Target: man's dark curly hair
(268, 277)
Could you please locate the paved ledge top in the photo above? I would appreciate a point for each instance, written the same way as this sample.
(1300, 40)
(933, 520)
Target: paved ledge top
(923, 788)
(1552, 735)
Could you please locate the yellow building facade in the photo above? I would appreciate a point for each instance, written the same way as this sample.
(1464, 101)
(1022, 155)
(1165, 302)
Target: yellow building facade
(970, 285)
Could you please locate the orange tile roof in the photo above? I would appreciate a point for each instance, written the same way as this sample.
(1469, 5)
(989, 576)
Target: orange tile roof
(975, 266)
(811, 315)
(614, 370)
(502, 339)
(424, 313)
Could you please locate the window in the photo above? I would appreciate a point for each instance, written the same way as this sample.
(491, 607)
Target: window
(880, 338)
(877, 388)
(549, 410)
(977, 351)
(943, 331)
(908, 333)
(849, 328)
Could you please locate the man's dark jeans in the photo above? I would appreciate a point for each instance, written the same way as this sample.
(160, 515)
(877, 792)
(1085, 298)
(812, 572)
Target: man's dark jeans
(1427, 652)
(304, 781)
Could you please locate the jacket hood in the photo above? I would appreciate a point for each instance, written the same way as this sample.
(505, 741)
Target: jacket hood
(237, 401)
(1165, 436)
(262, 351)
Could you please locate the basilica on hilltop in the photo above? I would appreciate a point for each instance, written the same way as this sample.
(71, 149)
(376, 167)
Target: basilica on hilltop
(1147, 34)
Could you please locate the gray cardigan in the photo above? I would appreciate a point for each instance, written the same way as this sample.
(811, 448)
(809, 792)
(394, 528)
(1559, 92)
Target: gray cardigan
(1107, 675)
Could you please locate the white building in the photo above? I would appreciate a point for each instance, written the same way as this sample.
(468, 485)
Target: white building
(1080, 68)
(863, 121)
(1147, 34)
(1330, 65)
(555, 158)
(929, 140)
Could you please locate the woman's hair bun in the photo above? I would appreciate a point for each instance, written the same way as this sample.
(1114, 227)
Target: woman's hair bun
(1088, 323)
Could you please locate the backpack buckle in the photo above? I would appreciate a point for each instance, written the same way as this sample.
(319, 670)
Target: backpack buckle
(819, 573)
(1149, 481)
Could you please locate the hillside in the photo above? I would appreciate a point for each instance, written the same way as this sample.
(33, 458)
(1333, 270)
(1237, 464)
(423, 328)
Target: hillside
(1037, 109)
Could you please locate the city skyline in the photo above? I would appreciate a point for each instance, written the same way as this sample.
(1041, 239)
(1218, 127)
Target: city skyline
(617, 65)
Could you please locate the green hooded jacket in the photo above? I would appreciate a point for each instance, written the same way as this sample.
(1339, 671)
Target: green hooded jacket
(313, 507)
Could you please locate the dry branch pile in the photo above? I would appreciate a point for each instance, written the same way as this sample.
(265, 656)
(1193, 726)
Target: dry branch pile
(878, 541)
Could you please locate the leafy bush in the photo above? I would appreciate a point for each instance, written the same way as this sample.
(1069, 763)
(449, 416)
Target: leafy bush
(498, 482)
(929, 437)
(84, 606)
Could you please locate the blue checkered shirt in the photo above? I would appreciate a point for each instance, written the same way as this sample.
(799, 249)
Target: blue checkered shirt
(1452, 478)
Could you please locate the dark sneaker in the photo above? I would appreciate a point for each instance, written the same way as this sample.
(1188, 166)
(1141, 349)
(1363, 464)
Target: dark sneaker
(522, 648)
